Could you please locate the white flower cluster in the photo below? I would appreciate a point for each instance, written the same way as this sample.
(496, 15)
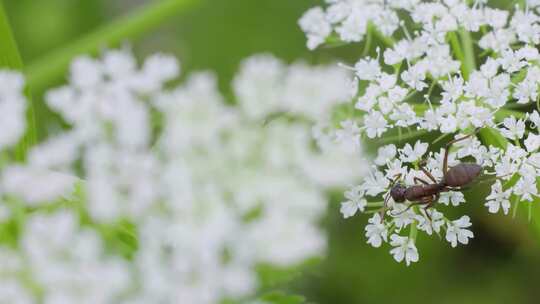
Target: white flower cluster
(425, 79)
(205, 191)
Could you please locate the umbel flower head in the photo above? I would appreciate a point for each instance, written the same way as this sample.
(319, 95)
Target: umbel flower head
(156, 195)
(452, 68)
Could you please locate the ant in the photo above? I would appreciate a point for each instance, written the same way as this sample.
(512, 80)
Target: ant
(454, 179)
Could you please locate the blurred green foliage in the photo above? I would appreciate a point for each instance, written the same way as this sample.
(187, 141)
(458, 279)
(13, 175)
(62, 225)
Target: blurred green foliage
(502, 265)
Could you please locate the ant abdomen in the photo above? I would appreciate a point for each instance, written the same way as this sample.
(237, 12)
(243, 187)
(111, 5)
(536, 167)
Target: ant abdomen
(462, 174)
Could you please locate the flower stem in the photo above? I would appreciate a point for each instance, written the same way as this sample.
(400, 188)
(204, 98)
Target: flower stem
(377, 204)
(47, 68)
(514, 211)
(414, 231)
(367, 43)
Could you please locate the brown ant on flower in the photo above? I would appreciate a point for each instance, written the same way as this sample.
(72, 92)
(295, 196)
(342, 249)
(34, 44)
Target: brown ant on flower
(426, 193)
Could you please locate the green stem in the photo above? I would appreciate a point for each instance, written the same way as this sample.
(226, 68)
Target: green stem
(377, 204)
(414, 231)
(431, 87)
(369, 38)
(516, 203)
(51, 66)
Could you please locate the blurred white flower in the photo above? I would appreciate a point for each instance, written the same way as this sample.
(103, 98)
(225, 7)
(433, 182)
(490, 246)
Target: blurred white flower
(12, 108)
(35, 185)
(206, 190)
(69, 263)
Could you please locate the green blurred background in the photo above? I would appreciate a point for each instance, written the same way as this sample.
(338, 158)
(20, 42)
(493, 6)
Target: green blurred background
(502, 265)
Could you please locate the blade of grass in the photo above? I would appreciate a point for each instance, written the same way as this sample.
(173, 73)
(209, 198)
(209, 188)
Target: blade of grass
(10, 58)
(469, 61)
(51, 66)
(458, 52)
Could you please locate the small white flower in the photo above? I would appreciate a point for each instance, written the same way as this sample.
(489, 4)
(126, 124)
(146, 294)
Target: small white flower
(534, 117)
(456, 232)
(532, 143)
(402, 216)
(354, 27)
(355, 202)
(375, 183)
(367, 69)
(375, 124)
(526, 188)
(376, 231)
(414, 77)
(317, 28)
(427, 225)
(385, 154)
(452, 197)
(498, 199)
(410, 154)
(405, 249)
(404, 115)
(514, 128)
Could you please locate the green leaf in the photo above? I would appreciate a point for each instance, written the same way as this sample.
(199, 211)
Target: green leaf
(282, 298)
(41, 72)
(492, 137)
(11, 59)
(501, 114)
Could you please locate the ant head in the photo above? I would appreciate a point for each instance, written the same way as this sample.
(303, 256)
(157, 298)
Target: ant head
(398, 193)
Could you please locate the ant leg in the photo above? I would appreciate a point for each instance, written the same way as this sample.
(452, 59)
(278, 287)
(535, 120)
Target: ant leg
(447, 149)
(422, 202)
(387, 197)
(422, 165)
(429, 205)
(417, 179)
(428, 215)
(432, 202)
